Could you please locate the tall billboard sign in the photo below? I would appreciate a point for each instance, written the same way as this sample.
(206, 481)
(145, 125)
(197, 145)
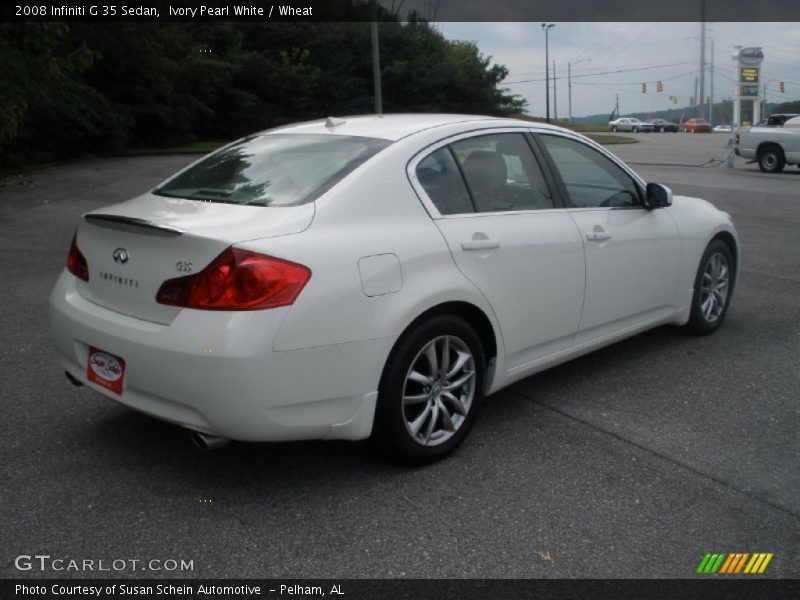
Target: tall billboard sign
(747, 72)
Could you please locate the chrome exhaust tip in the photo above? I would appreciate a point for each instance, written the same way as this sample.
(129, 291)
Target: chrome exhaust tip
(208, 442)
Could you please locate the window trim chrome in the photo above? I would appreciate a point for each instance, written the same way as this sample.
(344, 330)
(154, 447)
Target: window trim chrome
(423, 153)
(434, 213)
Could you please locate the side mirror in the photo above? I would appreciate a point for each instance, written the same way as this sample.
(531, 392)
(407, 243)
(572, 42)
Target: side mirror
(657, 196)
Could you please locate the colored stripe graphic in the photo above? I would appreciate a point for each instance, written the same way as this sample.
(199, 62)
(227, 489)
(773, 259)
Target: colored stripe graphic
(734, 563)
(703, 563)
(710, 563)
(757, 558)
(765, 563)
(741, 562)
(727, 564)
(717, 563)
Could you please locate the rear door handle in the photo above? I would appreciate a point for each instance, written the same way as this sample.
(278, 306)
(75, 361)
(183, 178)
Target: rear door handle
(598, 236)
(480, 245)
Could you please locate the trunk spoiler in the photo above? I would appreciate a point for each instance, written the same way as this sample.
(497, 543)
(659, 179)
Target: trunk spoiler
(132, 225)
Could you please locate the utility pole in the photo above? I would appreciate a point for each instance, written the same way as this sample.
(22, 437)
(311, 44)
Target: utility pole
(547, 27)
(711, 87)
(569, 91)
(694, 98)
(376, 61)
(701, 99)
(555, 96)
(616, 106)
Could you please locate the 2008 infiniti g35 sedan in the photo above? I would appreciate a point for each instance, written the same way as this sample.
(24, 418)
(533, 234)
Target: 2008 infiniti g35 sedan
(378, 276)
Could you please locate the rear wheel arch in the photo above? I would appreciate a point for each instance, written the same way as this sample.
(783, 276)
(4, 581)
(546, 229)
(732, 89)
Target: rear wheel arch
(414, 421)
(764, 145)
(474, 316)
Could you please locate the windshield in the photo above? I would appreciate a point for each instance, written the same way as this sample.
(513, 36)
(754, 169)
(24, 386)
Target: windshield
(273, 169)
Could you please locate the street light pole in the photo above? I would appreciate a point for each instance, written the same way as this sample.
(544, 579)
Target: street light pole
(547, 27)
(711, 87)
(700, 100)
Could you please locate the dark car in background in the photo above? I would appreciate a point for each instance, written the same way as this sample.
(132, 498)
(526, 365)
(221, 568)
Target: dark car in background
(662, 125)
(776, 120)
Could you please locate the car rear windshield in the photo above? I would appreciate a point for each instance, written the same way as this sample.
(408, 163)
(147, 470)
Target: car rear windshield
(273, 169)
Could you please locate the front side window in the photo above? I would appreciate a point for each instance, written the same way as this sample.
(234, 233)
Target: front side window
(591, 178)
(273, 169)
(502, 173)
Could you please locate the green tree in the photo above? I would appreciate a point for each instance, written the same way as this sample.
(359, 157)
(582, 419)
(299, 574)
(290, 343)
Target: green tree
(46, 107)
(78, 88)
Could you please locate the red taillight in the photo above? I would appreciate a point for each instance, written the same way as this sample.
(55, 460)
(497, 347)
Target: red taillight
(237, 280)
(76, 261)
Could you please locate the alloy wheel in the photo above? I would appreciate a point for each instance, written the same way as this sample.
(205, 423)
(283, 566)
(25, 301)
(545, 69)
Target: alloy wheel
(439, 390)
(714, 287)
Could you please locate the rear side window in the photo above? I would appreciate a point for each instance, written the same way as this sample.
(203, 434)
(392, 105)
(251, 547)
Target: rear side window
(502, 173)
(438, 174)
(273, 169)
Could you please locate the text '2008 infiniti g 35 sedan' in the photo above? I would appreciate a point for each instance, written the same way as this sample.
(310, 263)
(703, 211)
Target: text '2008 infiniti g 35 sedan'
(378, 276)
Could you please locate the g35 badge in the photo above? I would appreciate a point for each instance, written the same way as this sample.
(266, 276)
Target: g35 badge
(184, 266)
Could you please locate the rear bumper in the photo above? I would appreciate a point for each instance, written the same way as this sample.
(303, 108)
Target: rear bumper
(217, 372)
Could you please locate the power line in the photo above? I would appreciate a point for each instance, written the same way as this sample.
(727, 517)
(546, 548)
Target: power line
(662, 79)
(633, 66)
(636, 39)
(604, 72)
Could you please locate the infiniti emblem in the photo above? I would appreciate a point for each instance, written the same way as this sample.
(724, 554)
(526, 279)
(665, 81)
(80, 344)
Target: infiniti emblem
(121, 256)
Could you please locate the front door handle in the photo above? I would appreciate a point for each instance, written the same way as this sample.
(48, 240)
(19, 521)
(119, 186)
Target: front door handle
(480, 244)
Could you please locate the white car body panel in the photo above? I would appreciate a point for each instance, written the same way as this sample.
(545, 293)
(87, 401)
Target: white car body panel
(533, 247)
(632, 275)
(381, 256)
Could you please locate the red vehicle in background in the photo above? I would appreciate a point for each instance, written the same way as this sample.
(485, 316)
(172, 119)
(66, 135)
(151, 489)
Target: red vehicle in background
(697, 126)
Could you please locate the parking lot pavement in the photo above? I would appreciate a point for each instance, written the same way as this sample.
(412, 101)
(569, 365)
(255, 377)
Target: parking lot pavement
(631, 462)
(675, 148)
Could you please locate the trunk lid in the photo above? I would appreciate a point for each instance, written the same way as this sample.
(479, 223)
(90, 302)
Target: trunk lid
(133, 247)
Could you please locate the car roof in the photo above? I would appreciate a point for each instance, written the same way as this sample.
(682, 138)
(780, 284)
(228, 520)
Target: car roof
(397, 126)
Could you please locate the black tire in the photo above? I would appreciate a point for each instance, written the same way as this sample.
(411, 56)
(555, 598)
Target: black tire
(660, 130)
(635, 130)
(771, 159)
(699, 323)
(391, 431)
(614, 129)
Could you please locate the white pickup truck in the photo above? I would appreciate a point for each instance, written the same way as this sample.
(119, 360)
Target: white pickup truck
(773, 147)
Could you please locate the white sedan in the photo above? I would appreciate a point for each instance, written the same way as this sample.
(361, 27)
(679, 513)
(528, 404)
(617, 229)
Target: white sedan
(378, 276)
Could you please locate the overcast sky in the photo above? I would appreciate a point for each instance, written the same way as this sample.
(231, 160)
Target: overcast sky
(645, 52)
